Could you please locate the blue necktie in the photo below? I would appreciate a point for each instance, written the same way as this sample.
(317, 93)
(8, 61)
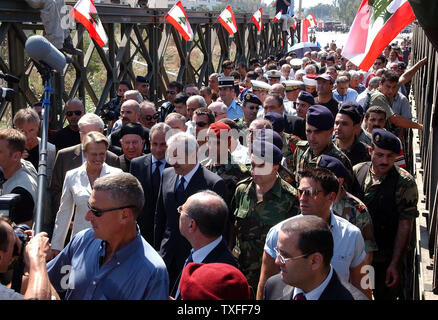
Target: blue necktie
(179, 192)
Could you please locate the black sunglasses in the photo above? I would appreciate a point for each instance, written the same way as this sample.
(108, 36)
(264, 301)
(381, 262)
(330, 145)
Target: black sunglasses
(98, 213)
(201, 124)
(70, 113)
(149, 118)
(170, 92)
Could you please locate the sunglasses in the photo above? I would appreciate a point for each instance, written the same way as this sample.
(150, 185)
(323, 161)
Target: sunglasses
(308, 192)
(149, 118)
(201, 124)
(170, 92)
(99, 213)
(70, 113)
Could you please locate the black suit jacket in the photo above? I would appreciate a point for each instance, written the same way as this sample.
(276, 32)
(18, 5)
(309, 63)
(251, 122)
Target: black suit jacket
(141, 168)
(220, 254)
(337, 289)
(296, 125)
(173, 247)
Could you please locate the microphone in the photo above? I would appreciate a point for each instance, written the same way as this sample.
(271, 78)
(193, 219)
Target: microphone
(9, 78)
(6, 94)
(41, 50)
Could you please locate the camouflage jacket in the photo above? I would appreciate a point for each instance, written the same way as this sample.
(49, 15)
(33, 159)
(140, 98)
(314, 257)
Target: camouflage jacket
(304, 158)
(406, 195)
(289, 146)
(354, 211)
(241, 124)
(253, 219)
(230, 172)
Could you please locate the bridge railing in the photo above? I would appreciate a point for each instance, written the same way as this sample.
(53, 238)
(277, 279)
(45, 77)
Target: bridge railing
(143, 33)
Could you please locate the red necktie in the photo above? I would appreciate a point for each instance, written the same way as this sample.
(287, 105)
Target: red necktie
(300, 296)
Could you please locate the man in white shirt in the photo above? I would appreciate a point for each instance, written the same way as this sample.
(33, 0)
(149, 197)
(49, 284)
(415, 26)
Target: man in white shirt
(303, 253)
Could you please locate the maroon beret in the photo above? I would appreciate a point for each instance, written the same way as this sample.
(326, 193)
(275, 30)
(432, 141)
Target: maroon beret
(213, 281)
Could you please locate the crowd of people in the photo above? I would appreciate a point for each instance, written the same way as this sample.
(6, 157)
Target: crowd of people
(281, 179)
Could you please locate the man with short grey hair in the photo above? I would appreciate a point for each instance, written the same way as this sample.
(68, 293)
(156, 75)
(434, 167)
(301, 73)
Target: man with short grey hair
(219, 109)
(185, 178)
(116, 253)
(176, 121)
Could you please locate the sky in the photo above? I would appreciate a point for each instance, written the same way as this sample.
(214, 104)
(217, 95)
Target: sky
(306, 3)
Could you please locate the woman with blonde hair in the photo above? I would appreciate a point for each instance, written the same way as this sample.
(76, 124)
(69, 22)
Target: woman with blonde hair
(77, 188)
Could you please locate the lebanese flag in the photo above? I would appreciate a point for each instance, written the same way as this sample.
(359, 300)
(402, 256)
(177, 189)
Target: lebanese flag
(257, 19)
(277, 16)
(228, 20)
(85, 13)
(178, 18)
(312, 20)
(373, 28)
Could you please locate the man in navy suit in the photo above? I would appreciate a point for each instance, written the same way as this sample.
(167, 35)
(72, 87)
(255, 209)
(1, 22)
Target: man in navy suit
(148, 170)
(186, 178)
(304, 251)
(202, 221)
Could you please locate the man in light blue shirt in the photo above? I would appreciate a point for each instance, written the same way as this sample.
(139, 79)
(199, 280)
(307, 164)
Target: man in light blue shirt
(111, 260)
(317, 192)
(228, 96)
(343, 92)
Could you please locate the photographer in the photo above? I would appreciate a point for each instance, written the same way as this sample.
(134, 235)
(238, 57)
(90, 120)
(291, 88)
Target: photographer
(35, 253)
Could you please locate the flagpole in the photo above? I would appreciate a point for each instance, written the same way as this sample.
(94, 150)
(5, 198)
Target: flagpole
(299, 18)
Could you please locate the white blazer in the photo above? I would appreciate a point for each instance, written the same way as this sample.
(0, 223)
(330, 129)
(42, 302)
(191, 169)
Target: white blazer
(74, 199)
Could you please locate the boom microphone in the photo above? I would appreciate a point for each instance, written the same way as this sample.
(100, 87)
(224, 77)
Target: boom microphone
(42, 51)
(9, 78)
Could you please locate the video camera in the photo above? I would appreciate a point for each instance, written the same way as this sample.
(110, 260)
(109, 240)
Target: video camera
(8, 207)
(6, 94)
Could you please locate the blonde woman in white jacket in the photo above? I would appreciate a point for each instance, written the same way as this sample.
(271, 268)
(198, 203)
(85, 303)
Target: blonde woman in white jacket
(77, 189)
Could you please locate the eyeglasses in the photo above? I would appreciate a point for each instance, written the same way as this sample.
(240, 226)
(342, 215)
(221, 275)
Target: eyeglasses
(170, 92)
(308, 192)
(76, 112)
(283, 260)
(98, 213)
(149, 117)
(201, 124)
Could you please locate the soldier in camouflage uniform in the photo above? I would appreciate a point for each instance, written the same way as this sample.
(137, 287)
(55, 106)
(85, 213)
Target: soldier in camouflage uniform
(390, 194)
(259, 203)
(319, 130)
(350, 207)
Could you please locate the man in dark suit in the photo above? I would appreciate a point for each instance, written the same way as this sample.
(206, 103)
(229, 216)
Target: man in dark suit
(178, 183)
(304, 252)
(148, 170)
(72, 158)
(202, 221)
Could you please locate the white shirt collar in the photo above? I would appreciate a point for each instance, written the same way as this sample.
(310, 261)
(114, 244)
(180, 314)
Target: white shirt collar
(200, 254)
(316, 293)
(189, 175)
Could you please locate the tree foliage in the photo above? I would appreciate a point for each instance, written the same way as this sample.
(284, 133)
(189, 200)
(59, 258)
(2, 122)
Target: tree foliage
(342, 10)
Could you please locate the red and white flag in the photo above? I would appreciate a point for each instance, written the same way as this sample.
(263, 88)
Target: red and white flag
(85, 12)
(312, 20)
(178, 18)
(373, 28)
(277, 16)
(257, 19)
(228, 20)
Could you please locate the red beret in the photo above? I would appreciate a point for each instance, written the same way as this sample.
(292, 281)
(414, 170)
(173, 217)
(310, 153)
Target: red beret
(213, 281)
(218, 126)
